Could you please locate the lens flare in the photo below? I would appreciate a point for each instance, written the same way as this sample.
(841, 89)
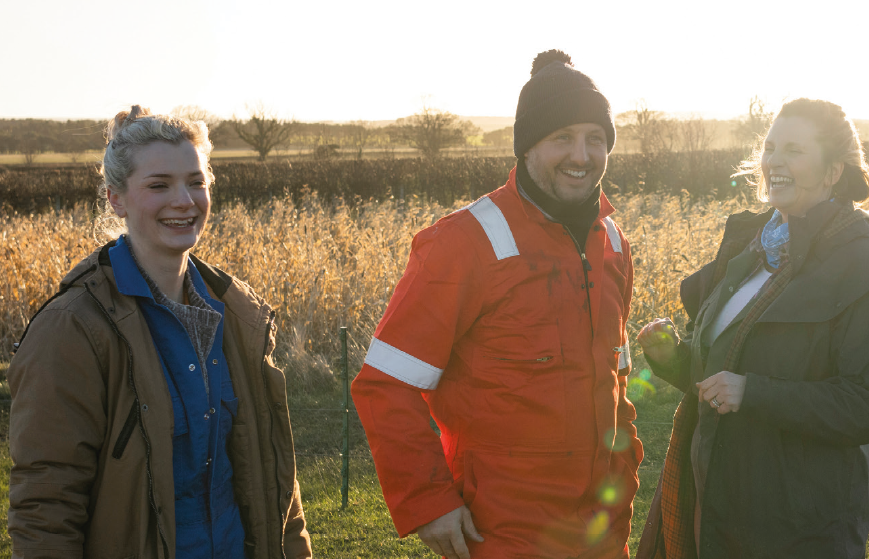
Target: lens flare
(665, 336)
(639, 387)
(598, 527)
(609, 494)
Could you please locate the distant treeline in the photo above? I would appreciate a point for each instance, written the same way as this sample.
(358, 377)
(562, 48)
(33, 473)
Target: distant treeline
(36, 189)
(34, 136)
(641, 130)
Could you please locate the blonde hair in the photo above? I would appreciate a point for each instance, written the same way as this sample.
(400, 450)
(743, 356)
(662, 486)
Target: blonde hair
(125, 134)
(839, 141)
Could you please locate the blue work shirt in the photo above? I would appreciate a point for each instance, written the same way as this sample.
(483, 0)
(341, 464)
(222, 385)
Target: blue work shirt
(207, 520)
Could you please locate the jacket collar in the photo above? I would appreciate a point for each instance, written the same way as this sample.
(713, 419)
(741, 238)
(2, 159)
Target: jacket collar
(128, 277)
(216, 279)
(742, 228)
(805, 230)
(536, 213)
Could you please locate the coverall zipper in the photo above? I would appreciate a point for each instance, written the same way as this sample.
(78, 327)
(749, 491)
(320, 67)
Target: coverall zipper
(586, 268)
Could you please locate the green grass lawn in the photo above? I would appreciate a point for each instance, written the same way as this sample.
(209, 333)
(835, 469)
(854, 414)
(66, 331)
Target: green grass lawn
(364, 528)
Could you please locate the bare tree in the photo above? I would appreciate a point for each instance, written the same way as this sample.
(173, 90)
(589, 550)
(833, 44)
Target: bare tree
(357, 134)
(694, 134)
(31, 144)
(755, 124)
(263, 131)
(432, 130)
(652, 129)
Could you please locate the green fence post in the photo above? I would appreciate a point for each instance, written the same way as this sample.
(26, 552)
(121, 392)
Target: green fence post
(345, 454)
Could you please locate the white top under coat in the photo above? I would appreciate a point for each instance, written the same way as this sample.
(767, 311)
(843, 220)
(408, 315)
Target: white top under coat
(736, 303)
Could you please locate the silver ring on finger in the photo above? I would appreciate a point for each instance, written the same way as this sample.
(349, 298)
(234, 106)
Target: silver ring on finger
(716, 403)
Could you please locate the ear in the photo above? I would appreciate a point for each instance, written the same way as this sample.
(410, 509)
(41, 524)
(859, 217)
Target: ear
(836, 172)
(116, 200)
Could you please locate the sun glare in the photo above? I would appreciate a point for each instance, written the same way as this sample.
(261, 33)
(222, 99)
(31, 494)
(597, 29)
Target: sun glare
(342, 61)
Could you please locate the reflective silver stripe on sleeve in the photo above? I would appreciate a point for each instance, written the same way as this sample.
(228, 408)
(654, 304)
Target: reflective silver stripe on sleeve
(495, 225)
(625, 356)
(613, 234)
(403, 366)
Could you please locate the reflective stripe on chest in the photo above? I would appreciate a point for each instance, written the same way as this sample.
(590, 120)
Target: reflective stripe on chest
(613, 234)
(496, 227)
(498, 231)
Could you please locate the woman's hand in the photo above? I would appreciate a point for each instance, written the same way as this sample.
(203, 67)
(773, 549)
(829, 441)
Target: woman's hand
(659, 340)
(723, 391)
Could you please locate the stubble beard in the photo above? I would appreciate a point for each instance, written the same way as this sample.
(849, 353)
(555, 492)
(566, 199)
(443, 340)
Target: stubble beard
(548, 183)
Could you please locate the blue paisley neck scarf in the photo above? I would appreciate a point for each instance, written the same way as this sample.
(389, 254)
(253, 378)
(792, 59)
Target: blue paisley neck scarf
(775, 235)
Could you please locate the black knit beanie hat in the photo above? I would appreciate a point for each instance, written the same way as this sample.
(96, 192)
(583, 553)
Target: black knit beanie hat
(556, 96)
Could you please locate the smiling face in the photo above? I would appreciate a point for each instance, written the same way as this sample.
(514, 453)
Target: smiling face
(796, 173)
(569, 163)
(167, 200)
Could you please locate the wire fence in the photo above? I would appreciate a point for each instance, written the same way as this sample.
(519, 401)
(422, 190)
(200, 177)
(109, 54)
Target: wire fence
(315, 435)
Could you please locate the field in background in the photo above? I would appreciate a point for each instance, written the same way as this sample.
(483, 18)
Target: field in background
(323, 265)
(95, 156)
(443, 180)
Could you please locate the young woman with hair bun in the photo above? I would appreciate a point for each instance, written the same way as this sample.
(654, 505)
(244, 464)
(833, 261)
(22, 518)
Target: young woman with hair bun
(148, 419)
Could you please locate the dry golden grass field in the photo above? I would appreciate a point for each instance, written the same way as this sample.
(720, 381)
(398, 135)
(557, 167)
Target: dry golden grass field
(323, 266)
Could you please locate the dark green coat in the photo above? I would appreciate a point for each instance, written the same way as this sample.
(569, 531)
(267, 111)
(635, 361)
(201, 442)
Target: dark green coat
(786, 476)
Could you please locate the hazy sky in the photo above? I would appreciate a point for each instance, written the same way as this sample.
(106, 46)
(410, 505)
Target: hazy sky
(378, 60)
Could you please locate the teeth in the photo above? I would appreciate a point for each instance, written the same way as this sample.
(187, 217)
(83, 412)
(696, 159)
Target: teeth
(780, 181)
(575, 174)
(178, 222)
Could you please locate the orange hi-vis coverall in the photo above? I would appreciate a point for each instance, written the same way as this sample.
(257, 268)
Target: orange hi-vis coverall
(514, 341)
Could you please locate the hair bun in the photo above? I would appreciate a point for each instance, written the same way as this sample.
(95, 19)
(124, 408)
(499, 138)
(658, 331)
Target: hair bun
(546, 58)
(123, 119)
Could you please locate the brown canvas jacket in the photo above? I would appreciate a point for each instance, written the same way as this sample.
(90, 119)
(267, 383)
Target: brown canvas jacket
(91, 427)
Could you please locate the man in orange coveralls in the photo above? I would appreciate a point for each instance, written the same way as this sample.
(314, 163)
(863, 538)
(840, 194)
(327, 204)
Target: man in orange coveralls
(508, 328)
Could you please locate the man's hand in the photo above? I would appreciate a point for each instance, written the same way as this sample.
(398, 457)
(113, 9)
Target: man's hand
(444, 535)
(659, 340)
(723, 391)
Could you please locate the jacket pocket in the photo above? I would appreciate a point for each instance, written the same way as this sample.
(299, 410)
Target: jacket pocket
(126, 431)
(228, 413)
(240, 451)
(519, 388)
(179, 418)
(469, 482)
(539, 498)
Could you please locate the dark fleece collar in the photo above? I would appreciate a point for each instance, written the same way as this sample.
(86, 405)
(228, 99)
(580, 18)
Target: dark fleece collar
(577, 218)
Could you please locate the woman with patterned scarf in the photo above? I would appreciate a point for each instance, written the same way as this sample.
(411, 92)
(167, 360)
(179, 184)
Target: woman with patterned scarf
(765, 458)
